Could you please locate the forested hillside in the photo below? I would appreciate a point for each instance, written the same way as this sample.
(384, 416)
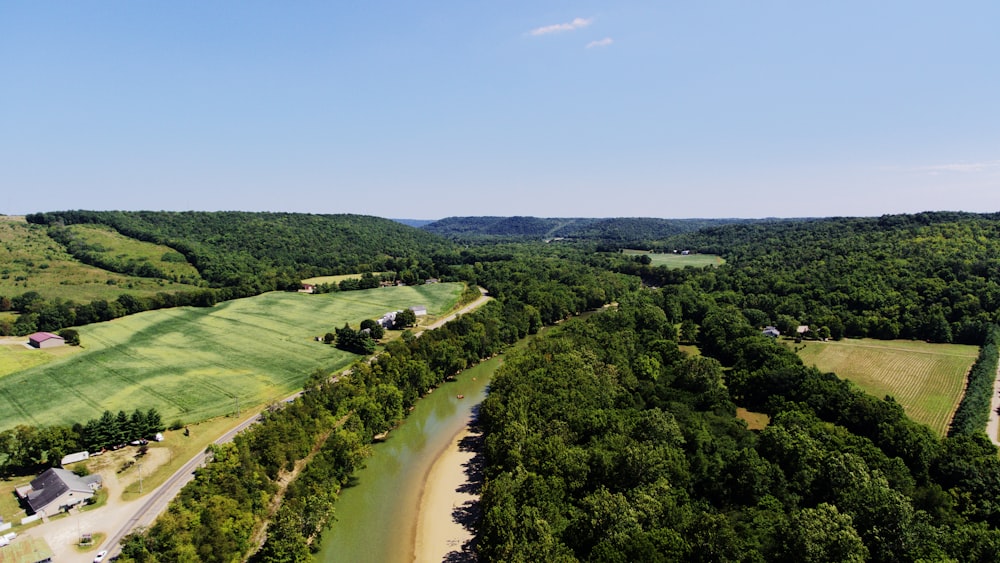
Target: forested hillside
(620, 231)
(268, 250)
(933, 276)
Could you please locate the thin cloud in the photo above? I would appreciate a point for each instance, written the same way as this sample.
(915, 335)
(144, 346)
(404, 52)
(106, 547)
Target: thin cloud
(600, 43)
(577, 23)
(961, 167)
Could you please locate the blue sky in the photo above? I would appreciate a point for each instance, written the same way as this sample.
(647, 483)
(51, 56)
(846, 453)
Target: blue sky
(544, 108)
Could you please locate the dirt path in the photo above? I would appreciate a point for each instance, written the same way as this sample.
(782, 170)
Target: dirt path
(993, 426)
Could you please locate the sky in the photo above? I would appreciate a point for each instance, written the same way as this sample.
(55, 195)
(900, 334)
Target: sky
(426, 110)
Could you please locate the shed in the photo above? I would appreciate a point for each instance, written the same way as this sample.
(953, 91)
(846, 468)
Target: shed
(73, 458)
(28, 550)
(419, 310)
(45, 340)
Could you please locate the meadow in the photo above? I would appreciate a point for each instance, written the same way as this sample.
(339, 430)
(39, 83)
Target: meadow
(31, 261)
(117, 247)
(195, 363)
(672, 260)
(926, 379)
(336, 279)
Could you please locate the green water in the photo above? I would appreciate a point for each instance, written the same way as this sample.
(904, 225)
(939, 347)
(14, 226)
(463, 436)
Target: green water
(376, 517)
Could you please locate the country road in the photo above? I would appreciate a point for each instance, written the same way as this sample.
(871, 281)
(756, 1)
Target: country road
(993, 425)
(161, 497)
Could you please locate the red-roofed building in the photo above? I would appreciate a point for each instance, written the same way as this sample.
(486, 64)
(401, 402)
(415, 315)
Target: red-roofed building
(45, 340)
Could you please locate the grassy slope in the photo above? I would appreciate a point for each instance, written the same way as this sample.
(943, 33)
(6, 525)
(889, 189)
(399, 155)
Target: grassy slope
(926, 379)
(26, 251)
(192, 363)
(122, 247)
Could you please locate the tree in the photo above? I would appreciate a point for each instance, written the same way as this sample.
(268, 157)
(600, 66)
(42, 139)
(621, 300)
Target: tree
(822, 535)
(689, 331)
(71, 336)
(404, 318)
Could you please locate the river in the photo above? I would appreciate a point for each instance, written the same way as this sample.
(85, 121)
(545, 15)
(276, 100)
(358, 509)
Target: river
(376, 516)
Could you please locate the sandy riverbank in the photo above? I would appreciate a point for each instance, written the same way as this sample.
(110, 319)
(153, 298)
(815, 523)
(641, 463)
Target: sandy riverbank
(449, 503)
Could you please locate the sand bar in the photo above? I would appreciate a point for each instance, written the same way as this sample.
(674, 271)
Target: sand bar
(440, 531)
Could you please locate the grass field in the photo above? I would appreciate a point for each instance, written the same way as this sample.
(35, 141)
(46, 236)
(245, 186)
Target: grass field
(31, 261)
(671, 260)
(120, 247)
(193, 363)
(335, 279)
(926, 379)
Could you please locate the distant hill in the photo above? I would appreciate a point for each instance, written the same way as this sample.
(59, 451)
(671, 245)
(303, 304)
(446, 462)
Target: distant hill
(415, 222)
(611, 230)
(267, 250)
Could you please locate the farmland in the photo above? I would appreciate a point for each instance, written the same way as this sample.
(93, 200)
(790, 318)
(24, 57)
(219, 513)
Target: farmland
(195, 363)
(336, 279)
(926, 379)
(672, 260)
(31, 261)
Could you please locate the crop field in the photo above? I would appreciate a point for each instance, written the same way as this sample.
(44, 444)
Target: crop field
(31, 261)
(120, 247)
(672, 260)
(926, 379)
(195, 363)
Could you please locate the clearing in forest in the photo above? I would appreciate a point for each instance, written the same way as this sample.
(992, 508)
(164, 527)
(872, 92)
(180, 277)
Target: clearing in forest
(195, 363)
(678, 260)
(31, 261)
(926, 379)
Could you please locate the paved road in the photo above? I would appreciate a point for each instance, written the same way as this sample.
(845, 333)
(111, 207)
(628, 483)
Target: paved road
(157, 502)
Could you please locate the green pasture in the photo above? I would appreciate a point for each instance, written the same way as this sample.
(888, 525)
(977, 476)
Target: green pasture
(31, 261)
(926, 379)
(195, 363)
(336, 279)
(119, 247)
(678, 260)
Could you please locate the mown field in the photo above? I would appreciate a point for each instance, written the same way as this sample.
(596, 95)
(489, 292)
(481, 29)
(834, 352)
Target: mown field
(117, 247)
(671, 260)
(31, 261)
(335, 279)
(926, 379)
(194, 363)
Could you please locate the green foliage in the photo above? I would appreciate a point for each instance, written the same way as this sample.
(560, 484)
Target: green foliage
(255, 252)
(974, 410)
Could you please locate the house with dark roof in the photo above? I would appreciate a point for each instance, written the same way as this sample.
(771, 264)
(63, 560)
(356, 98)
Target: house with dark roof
(57, 489)
(45, 340)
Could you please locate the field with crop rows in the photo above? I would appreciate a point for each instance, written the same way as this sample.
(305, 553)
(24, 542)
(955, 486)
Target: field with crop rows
(194, 363)
(672, 260)
(31, 261)
(926, 379)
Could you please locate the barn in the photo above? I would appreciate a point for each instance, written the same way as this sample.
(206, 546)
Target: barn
(45, 340)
